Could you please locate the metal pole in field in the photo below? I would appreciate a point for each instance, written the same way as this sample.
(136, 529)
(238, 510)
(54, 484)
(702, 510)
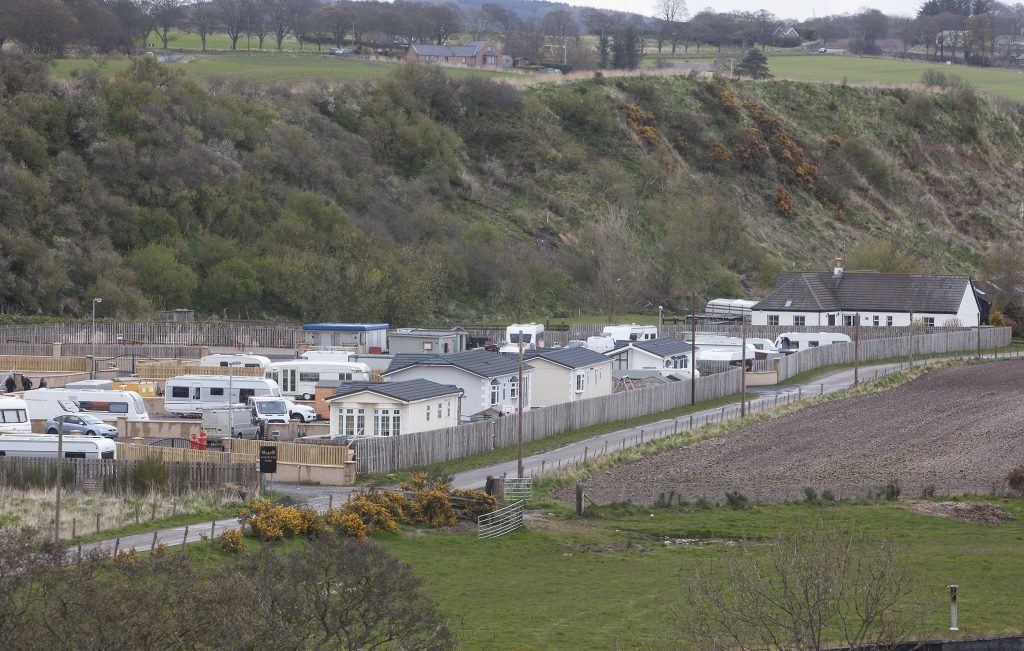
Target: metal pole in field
(952, 608)
(743, 367)
(60, 479)
(856, 352)
(693, 348)
(519, 416)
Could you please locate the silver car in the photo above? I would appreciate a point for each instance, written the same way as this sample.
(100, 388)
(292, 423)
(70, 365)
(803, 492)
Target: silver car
(82, 424)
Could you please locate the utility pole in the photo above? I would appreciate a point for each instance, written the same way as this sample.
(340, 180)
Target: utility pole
(743, 366)
(519, 416)
(693, 348)
(979, 336)
(856, 352)
(910, 340)
(92, 367)
(60, 479)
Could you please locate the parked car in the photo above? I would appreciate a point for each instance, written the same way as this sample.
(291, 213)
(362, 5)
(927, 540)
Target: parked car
(85, 424)
(339, 52)
(299, 412)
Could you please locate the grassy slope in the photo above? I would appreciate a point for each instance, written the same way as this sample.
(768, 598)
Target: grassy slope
(590, 583)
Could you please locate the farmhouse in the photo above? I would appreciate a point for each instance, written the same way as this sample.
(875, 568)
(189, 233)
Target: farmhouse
(568, 374)
(490, 381)
(477, 54)
(881, 299)
(393, 408)
(654, 354)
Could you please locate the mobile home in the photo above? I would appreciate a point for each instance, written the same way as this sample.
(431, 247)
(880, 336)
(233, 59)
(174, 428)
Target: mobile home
(191, 394)
(44, 404)
(790, 342)
(73, 447)
(245, 360)
(613, 334)
(298, 377)
(14, 416)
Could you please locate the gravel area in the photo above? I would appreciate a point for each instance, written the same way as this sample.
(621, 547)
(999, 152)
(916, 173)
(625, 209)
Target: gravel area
(958, 430)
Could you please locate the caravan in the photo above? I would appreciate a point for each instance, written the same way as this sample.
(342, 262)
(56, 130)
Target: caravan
(532, 335)
(244, 360)
(298, 377)
(611, 335)
(191, 394)
(791, 342)
(73, 447)
(14, 416)
(44, 404)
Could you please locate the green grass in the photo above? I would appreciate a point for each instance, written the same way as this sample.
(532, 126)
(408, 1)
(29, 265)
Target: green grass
(585, 584)
(197, 517)
(501, 455)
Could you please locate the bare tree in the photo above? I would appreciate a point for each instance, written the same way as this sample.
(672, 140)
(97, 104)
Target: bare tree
(166, 14)
(601, 25)
(804, 591)
(673, 13)
(232, 15)
(203, 20)
(337, 19)
(42, 27)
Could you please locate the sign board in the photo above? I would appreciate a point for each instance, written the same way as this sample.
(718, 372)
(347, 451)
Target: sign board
(268, 458)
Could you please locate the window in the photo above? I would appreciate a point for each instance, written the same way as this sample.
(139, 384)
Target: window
(122, 407)
(345, 377)
(217, 391)
(74, 455)
(799, 320)
(580, 382)
(107, 455)
(428, 345)
(13, 416)
(245, 394)
(386, 422)
(352, 422)
(428, 412)
(812, 344)
(874, 320)
(773, 319)
(309, 377)
(439, 411)
(513, 388)
(179, 392)
(929, 321)
(449, 403)
(848, 320)
(888, 320)
(494, 392)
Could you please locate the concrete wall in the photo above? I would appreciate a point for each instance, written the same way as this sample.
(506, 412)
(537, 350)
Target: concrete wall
(310, 474)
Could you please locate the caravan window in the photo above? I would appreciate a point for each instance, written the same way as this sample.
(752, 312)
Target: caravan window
(13, 416)
(74, 455)
(179, 392)
(812, 344)
(245, 394)
(216, 391)
(309, 377)
(107, 455)
(514, 338)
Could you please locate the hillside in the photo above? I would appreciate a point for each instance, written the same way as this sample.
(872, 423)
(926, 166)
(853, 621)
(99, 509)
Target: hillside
(419, 197)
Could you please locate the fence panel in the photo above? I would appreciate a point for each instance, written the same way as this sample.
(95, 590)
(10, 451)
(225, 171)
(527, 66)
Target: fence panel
(161, 371)
(89, 474)
(134, 452)
(498, 523)
(307, 454)
(126, 334)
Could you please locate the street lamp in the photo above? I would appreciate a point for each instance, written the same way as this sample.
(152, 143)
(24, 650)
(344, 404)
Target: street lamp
(92, 369)
(661, 318)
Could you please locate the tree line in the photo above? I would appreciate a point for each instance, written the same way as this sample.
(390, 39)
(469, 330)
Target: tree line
(981, 31)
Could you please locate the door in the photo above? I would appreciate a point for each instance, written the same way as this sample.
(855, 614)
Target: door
(831, 319)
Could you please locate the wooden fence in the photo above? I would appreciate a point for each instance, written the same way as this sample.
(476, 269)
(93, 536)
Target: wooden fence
(387, 454)
(133, 333)
(161, 371)
(306, 454)
(135, 452)
(116, 474)
(49, 364)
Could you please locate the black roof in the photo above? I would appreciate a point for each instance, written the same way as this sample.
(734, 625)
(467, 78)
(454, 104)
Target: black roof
(662, 346)
(406, 390)
(477, 361)
(568, 357)
(824, 291)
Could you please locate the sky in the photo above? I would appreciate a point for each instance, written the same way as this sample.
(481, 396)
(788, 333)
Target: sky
(799, 9)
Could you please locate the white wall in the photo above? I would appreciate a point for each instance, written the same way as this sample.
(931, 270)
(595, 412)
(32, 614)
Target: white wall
(554, 384)
(967, 315)
(413, 415)
(477, 389)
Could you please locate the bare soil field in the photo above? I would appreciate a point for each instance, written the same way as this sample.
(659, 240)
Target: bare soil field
(959, 430)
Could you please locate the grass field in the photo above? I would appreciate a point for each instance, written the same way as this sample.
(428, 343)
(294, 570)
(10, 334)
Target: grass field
(585, 584)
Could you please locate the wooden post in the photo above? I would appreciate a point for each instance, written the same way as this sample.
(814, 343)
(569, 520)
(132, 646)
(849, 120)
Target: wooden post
(184, 539)
(979, 336)
(74, 527)
(152, 546)
(97, 523)
(330, 501)
(856, 352)
(693, 348)
(117, 545)
(910, 341)
(213, 529)
(579, 499)
(519, 416)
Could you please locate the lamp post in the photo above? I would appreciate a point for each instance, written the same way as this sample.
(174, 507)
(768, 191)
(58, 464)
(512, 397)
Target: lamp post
(60, 479)
(661, 318)
(92, 367)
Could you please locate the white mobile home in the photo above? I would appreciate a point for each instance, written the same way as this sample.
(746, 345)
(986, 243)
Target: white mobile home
(191, 394)
(14, 416)
(73, 447)
(361, 409)
(789, 342)
(569, 374)
(244, 360)
(665, 354)
(298, 377)
(44, 404)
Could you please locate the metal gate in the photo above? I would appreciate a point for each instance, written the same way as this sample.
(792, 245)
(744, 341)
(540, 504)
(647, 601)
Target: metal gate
(517, 489)
(500, 522)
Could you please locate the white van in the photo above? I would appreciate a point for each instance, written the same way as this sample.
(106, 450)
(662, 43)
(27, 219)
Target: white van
(14, 416)
(244, 360)
(73, 447)
(791, 342)
(531, 333)
(298, 377)
(44, 404)
(191, 394)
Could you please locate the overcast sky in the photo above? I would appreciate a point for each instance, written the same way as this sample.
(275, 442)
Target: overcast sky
(798, 9)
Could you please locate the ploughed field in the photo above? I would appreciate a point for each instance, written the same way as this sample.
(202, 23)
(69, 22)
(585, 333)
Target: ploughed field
(959, 430)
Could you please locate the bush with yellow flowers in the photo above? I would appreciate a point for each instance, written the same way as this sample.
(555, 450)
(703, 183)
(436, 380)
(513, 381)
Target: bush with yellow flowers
(231, 541)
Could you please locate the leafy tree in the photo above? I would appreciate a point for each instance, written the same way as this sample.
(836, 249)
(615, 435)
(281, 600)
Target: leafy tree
(600, 25)
(230, 285)
(162, 277)
(753, 65)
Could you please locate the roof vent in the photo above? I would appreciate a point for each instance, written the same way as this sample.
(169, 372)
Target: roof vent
(837, 270)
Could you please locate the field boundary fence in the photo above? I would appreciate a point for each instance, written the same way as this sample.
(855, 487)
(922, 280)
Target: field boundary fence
(113, 475)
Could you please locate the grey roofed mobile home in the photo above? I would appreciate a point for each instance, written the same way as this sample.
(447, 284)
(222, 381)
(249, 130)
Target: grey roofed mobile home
(405, 390)
(568, 357)
(478, 362)
(866, 291)
(424, 340)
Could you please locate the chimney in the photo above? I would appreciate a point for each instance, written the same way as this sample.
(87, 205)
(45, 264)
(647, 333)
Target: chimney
(837, 270)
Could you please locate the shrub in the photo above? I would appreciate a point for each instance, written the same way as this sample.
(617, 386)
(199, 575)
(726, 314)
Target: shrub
(828, 496)
(476, 503)
(231, 541)
(784, 202)
(928, 492)
(273, 521)
(868, 163)
(933, 78)
(347, 523)
(891, 491)
(918, 111)
(736, 500)
(995, 318)
(810, 495)
(1015, 480)
(374, 510)
(148, 474)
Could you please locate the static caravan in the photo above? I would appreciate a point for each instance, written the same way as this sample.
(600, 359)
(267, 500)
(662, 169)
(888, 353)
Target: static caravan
(611, 335)
(361, 338)
(298, 377)
(244, 360)
(14, 416)
(73, 447)
(44, 404)
(791, 342)
(532, 335)
(327, 355)
(191, 394)
(729, 308)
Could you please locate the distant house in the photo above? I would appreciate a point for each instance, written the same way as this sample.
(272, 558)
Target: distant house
(360, 409)
(881, 299)
(568, 374)
(654, 354)
(476, 54)
(490, 381)
(422, 340)
(786, 37)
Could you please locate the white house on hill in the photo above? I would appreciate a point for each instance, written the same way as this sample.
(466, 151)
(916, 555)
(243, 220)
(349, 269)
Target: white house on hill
(881, 299)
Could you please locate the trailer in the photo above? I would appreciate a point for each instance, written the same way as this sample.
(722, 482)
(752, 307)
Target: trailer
(44, 404)
(244, 360)
(45, 446)
(532, 335)
(191, 394)
(14, 416)
(298, 377)
(791, 342)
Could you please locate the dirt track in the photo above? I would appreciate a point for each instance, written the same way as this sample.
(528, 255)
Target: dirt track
(959, 430)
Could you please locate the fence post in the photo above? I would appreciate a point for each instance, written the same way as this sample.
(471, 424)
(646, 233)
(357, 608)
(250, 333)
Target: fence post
(579, 499)
(97, 523)
(152, 546)
(184, 539)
